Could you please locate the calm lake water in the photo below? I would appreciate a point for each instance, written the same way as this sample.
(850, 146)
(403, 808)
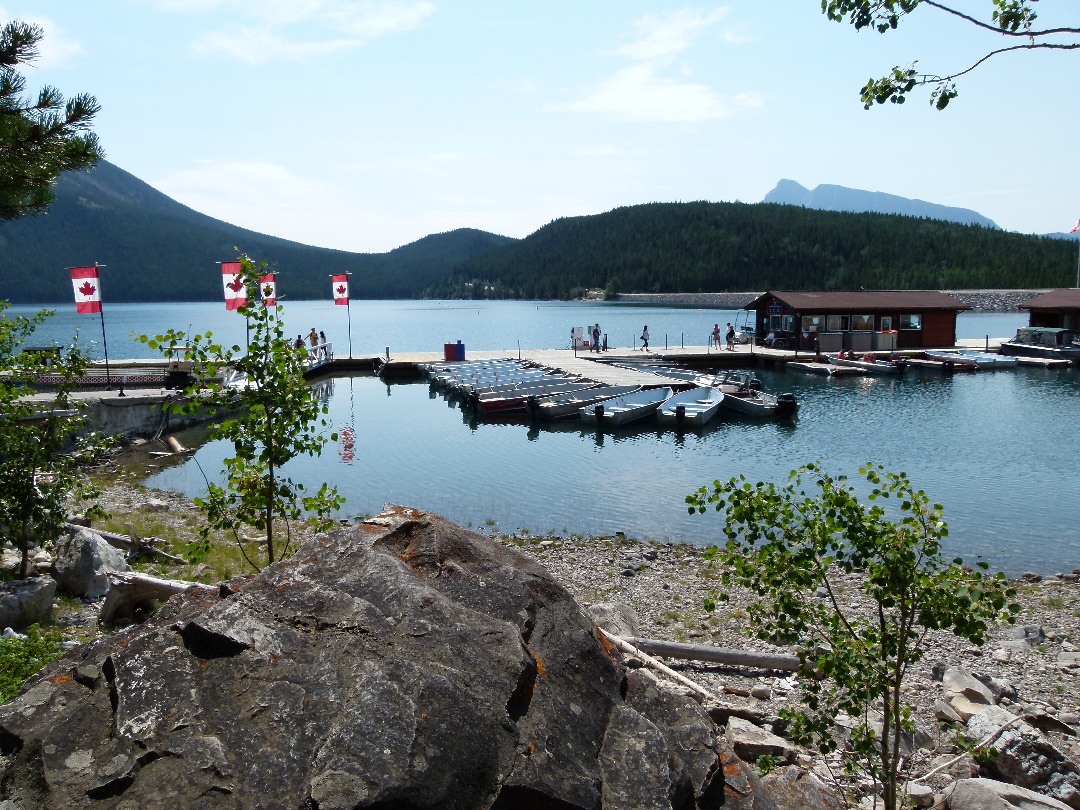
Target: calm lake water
(998, 449)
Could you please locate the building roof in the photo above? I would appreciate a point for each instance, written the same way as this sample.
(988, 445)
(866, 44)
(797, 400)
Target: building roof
(1055, 299)
(865, 301)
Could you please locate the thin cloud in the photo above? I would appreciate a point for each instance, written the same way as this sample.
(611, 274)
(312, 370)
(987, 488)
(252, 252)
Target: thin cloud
(642, 91)
(662, 39)
(343, 25)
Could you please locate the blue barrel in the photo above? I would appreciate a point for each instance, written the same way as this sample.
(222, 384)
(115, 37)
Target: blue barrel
(459, 351)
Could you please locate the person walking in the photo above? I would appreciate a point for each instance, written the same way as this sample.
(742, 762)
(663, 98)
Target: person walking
(313, 339)
(730, 337)
(325, 351)
(715, 339)
(645, 338)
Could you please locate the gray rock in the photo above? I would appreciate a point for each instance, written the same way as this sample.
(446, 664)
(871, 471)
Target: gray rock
(750, 742)
(1026, 758)
(943, 711)
(1068, 660)
(988, 794)
(999, 687)
(965, 693)
(83, 563)
(617, 618)
(793, 788)
(154, 505)
(1033, 634)
(1031, 576)
(24, 602)
(403, 662)
(920, 795)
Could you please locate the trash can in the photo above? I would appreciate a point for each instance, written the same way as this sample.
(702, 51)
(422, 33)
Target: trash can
(449, 352)
(459, 351)
(831, 342)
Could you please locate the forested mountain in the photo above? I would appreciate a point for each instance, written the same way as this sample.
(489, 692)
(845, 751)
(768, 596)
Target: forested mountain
(159, 250)
(839, 198)
(716, 247)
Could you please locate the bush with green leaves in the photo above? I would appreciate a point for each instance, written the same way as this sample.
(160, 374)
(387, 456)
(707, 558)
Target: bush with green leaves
(44, 451)
(272, 417)
(22, 657)
(796, 550)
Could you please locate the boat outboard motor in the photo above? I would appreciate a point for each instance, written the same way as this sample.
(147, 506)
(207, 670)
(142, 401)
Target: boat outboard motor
(680, 413)
(599, 411)
(786, 404)
(532, 404)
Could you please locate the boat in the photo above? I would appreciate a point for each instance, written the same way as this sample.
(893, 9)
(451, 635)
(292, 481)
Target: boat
(559, 406)
(874, 366)
(691, 408)
(740, 394)
(1035, 341)
(626, 409)
(988, 360)
(516, 400)
(951, 361)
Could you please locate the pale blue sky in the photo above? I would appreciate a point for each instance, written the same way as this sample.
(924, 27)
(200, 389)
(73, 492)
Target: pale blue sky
(367, 125)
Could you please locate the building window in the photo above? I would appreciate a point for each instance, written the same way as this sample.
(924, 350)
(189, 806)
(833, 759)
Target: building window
(862, 323)
(886, 323)
(839, 323)
(813, 323)
(911, 321)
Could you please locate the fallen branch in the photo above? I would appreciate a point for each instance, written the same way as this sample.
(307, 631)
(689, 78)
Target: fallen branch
(719, 655)
(627, 647)
(129, 591)
(984, 741)
(135, 547)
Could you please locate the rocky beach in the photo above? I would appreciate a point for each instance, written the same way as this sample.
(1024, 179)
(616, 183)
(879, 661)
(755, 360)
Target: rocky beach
(658, 591)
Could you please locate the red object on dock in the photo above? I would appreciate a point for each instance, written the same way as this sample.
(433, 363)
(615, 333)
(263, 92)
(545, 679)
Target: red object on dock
(449, 352)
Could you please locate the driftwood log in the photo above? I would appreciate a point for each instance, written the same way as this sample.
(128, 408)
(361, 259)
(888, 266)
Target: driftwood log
(134, 545)
(716, 655)
(129, 591)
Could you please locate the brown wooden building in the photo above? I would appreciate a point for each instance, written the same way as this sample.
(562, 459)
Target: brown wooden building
(1057, 309)
(869, 320)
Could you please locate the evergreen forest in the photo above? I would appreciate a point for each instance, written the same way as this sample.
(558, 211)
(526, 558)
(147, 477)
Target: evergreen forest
(737, 247)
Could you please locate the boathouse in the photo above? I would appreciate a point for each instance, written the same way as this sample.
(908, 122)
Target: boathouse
(867, 320)
(1057, 309)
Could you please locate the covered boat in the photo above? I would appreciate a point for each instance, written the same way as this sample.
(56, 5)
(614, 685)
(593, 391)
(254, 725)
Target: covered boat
(1036, 341)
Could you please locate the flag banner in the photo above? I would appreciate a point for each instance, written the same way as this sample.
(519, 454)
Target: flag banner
(87, 288)
(268, 289)
(1075, 227)
(341, 289)
(235, 292)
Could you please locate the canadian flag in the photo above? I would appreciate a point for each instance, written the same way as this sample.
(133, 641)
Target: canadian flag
(235, 292)
(1075, 227)
(87, 288)
(268, 289)
(341, 289)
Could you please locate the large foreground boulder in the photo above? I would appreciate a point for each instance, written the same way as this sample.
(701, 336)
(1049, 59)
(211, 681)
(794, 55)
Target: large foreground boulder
(402, 663)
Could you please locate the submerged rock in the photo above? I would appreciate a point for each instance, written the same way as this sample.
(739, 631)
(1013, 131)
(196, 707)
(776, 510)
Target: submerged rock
(404, 662)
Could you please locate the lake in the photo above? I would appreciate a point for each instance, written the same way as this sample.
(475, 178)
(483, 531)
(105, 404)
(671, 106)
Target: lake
(998, 449)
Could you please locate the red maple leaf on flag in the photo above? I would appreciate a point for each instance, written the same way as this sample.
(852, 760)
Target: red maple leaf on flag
(236, 285)
(341, 289)
(268, 290)
(87, 289)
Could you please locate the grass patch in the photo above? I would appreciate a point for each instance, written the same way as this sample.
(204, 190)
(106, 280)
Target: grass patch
(22, 657)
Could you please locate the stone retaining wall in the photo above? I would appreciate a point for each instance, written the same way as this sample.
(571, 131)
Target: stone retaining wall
(978, 300)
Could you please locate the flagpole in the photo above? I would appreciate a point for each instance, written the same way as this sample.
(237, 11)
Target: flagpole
(348, 309)
(104, 341)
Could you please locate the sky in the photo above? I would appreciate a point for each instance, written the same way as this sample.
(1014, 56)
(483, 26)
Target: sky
(364, 126)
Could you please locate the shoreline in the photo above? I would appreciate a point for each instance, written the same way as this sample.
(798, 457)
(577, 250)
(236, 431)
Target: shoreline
(978, 300)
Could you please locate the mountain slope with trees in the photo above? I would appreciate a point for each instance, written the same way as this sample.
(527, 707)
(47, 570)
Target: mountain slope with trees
(159, 250)
(718, 247)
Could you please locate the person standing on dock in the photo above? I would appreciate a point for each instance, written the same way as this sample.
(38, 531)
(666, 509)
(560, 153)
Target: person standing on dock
(730, 338)
(715, 340)
(645, 338)
(596, 338)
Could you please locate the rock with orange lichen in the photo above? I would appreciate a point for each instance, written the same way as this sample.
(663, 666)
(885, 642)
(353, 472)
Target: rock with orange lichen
(405, 662)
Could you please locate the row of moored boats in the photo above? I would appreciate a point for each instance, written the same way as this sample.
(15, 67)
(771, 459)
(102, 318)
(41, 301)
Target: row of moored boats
(507, 387)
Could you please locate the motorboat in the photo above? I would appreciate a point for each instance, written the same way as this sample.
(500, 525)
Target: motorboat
(516, 400)
(870, 366)
(691, 408)
(988, 360)
(742, 392)
(626, 409)
(951, 361)
(1034, 341)
(569, 404)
